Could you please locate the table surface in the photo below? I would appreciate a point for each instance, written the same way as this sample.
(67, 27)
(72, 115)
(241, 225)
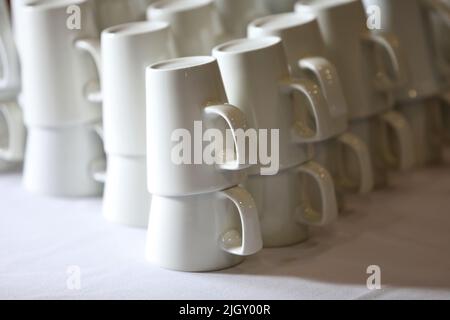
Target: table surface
(404, 229)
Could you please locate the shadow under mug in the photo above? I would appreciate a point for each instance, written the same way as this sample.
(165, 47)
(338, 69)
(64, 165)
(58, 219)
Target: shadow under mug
(204, 232)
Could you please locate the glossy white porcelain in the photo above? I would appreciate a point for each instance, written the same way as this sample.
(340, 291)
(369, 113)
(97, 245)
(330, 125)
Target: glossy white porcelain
(236, 14)
(196, 24)
(307, 59)
(203, 232)
(62, 161)
(183, 93)
(125, 198)
(121, 58)
(56, 76)
(284, 203)
(352, 48)
(256, 78)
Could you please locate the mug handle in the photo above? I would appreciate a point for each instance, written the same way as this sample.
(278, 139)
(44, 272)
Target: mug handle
(360, 149)
(4, 66)
(93, 47)
(251, 240)
(390, 44)
(14, 152)
(236, 120)
(98, 166)
(322, 177)
(404, 134)
(301, 132)
(329, 81)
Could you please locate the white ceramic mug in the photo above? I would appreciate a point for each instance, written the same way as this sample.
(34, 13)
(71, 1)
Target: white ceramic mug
(126, 50)
(390, 140)
(256, 78)
(195, 23)
(352, 48)
(186, 96)
(56, 76)
(427, 143)
(332, 155)
(114, 12)
(14, 133)
(204, 232)
(125, 198)
(307, 58)
(279, 6)
(404, 18)
(9, 63)
(62, 161)
(284, 203)
(236, 14)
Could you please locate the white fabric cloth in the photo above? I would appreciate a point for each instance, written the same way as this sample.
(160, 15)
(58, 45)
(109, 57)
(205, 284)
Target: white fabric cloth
(404, 229)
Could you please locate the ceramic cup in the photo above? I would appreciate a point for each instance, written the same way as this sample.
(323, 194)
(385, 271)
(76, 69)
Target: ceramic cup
(386, 153)
(204, 232)
(126, 50)
(125, 198)
(185, 97)
(236, 14)
(404, 18)
(427, 141)
(114, 12)
(13, 132)
(352, 48)
(56, 76)
(284, 203)
(256, 78)
(332, 155)
(9, 63)
(62, 161)
(307, 58)
(196, 24)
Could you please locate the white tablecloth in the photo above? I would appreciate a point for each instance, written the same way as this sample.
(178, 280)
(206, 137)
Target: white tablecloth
(404, 229)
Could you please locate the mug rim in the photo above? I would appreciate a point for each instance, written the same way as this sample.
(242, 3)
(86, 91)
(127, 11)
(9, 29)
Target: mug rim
(256, 44)
(135, 28)
(58, 4)
(163, 6)
(317, 5)
(183, 63)
(286, 21)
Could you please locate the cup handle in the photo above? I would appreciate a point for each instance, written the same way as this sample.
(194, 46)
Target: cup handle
(403, 133)
(390, 44)
(236, 120)
(251, 240)
(328, 78)
(360, 149)
(301, 132)
(4, 66)
(14, 152)
(93, 47)
(329, 213)
(98, 166)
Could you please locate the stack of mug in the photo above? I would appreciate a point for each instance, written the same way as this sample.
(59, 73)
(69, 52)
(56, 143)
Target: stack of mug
(257, 80)
(200, 218)
(63, 146)
(12, 132)
(418, 98)
(368, 84)
(122, 55)
(306, 55)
